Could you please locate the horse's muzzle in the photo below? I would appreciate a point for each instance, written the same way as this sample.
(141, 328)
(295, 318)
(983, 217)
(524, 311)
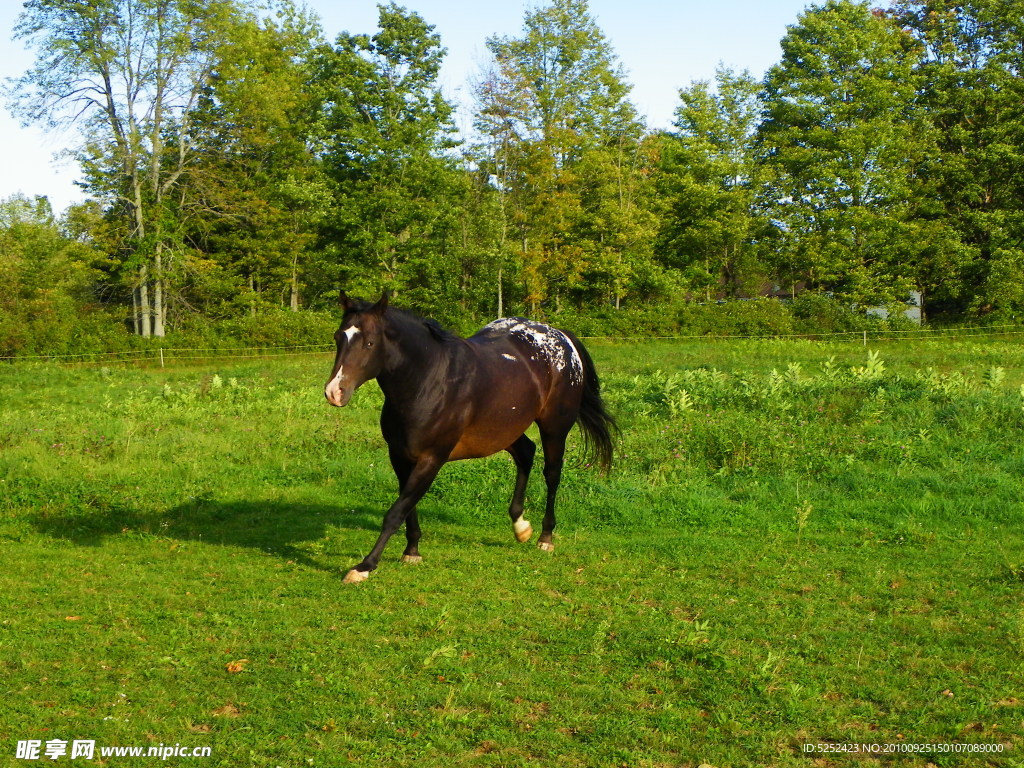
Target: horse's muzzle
(337, 395)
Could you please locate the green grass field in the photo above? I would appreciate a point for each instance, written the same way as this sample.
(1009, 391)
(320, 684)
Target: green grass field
(801, 548)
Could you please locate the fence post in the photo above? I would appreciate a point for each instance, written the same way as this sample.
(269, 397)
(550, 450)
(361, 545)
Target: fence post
(161, 357)
(865, 339)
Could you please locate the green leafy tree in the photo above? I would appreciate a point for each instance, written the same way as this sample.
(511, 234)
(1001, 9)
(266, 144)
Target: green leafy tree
(708, 183)
(386, 136)
(129, 74)
(972, 90)
(257, 193)
(843, 142)
(46, 278)
(563, 143)
(618, 225)
(478, 251)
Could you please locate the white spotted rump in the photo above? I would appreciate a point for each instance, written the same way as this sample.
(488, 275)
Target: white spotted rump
(550, 343)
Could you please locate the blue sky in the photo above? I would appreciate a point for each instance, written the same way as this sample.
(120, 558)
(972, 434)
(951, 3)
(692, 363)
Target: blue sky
(663, 45)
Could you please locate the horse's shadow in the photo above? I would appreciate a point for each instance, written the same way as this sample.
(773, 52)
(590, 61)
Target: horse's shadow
(284, 529)
(279, 528)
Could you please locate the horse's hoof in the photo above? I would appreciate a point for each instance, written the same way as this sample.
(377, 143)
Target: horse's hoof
(546, 546)
(523, 529)
(354, 576)
(412, 558)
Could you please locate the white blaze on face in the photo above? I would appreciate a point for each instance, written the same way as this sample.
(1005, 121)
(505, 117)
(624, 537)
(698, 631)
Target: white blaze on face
(333, 391)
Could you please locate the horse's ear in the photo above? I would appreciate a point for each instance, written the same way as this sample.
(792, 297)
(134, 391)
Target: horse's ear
(381, 305)
(345, 302)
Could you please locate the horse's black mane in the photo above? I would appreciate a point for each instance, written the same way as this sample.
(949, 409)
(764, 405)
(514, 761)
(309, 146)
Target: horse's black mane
(436, 329)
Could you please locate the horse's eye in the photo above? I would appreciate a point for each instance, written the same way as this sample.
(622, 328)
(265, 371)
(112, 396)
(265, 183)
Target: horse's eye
(369, 344)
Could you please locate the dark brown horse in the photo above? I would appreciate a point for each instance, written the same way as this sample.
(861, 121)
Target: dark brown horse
(448, 398)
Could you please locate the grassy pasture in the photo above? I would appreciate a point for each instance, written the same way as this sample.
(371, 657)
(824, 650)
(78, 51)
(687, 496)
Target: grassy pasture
(800, 544)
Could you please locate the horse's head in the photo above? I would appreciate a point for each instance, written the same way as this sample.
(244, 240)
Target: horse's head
(360, 342)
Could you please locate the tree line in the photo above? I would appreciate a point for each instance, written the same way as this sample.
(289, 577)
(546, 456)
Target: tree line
(240, 163)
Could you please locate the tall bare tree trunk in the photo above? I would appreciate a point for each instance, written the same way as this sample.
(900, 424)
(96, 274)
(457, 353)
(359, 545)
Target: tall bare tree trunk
(136, 311)
(158, 294)
(501, 296)
(146, 314)
(295, 284)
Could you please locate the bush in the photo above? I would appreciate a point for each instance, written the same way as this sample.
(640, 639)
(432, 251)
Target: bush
(809, 313)
(630, 322)
(95, 331)
(739, 317)
(85, 331)
(279, 328)
(818, 313)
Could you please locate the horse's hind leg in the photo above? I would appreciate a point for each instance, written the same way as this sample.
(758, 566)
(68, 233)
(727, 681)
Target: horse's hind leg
(554, 457)
(523, 451)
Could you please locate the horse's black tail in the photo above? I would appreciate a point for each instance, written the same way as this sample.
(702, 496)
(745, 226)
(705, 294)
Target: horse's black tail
(596, 424)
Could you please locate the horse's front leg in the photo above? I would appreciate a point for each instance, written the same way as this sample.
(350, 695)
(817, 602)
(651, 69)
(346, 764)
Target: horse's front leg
(554, 456)
(412, 538)
(403, 469)
(418, 481)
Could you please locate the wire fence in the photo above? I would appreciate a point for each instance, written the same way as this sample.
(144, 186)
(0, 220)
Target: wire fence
(862, 336)
(163, 356)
